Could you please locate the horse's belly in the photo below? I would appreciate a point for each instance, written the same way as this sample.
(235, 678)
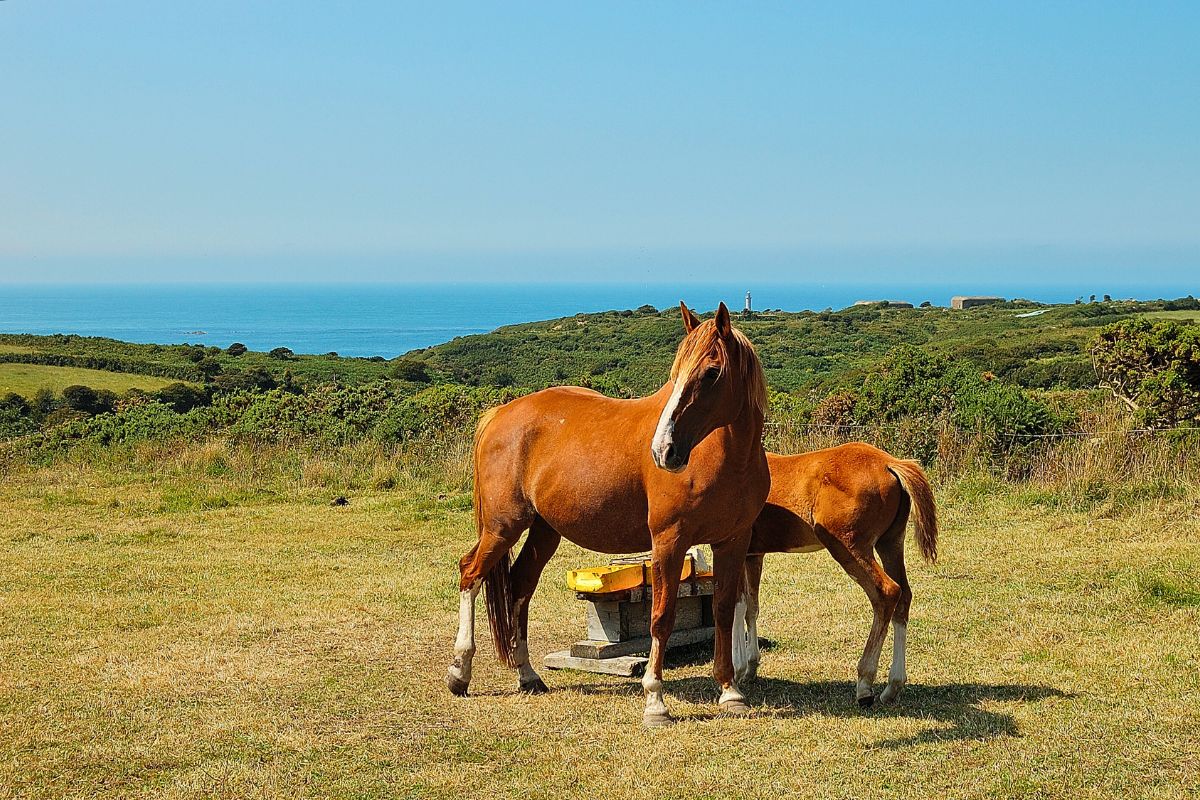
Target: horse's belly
(608, 516)
(602, 530)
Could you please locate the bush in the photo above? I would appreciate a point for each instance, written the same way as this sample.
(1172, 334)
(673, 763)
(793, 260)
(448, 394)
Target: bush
(255, 379)
(282, 354)
(236, 349)
(181, 397)
(411, 369)
(87, 400)
(441, 408)
(1152, 367)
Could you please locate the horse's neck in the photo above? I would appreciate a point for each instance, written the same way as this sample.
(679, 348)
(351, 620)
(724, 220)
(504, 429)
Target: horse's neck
(744, 434)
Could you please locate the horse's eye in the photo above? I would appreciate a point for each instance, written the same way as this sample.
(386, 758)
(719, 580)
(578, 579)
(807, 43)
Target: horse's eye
(711, 374)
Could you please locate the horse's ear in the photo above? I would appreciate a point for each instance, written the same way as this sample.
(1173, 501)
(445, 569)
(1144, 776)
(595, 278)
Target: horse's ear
(724, 327)
(690, 322)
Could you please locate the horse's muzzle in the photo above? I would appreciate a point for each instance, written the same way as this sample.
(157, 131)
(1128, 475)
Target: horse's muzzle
(672, 458)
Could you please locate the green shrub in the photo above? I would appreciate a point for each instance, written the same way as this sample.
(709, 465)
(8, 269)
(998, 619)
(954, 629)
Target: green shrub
(1153, 367)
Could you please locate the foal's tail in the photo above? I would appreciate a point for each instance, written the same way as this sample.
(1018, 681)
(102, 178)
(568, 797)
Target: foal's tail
(497, 582)
(924, 512)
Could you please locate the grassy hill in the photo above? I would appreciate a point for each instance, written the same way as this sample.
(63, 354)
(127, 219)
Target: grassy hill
(802, 352)
(629, 351)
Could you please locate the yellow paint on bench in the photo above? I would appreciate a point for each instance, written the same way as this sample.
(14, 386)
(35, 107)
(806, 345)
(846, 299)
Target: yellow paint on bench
(617, 577)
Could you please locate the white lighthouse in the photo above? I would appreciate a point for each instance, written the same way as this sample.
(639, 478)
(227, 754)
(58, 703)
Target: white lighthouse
(747, 309)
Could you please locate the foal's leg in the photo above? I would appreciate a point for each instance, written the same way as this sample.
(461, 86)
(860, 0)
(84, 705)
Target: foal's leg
(883, 592)
(729, 567)
(526, 570)
(486, 553)
(754, 567)
(891, 552)
(666, 564)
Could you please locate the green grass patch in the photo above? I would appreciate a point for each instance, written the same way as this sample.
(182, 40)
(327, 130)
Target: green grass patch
(27, 379)
(1178, 315)
(1160, 590)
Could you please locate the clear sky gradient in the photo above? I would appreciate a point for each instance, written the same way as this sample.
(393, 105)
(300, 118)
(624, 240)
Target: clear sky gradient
(583, 141)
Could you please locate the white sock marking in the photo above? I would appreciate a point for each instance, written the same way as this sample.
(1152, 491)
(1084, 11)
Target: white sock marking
(464, 643)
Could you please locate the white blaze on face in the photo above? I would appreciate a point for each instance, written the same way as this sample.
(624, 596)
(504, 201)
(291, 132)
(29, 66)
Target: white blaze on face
(664, 434)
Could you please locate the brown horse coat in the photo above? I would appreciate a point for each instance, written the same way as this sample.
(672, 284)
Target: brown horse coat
(681, 467)
(850, 500)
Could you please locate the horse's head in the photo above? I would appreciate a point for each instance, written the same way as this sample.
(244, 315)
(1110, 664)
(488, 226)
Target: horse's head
(716, 377)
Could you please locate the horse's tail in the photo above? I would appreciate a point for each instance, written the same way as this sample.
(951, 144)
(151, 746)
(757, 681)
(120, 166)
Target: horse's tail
(924, 511)
(485, 419)
(498, 592)
(497, 582)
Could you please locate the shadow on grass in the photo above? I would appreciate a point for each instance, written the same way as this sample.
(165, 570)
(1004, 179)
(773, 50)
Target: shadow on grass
(958, 706)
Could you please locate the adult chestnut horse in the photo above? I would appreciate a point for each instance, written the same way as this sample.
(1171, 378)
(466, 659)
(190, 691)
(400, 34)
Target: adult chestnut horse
(850, 500)
(681, 467)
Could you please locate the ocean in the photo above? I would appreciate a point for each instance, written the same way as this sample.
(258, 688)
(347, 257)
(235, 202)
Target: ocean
(392, 319)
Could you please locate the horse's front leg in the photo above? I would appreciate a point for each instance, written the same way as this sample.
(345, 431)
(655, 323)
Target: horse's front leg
(729, 566)
(666, 564)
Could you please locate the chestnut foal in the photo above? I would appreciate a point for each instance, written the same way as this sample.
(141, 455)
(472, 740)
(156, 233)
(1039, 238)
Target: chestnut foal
(684, 466)
(848, 500)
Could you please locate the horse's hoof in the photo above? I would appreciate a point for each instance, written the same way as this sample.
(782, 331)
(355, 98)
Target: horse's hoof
(457, 686)
(662, 720)
(735, 707)
(892, 692)
(866, 702)
(535, 686)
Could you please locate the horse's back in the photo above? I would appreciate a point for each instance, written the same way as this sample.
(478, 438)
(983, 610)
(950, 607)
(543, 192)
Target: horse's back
(847, 487)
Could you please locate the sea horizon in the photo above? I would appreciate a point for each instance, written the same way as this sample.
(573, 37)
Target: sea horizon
(390, 319)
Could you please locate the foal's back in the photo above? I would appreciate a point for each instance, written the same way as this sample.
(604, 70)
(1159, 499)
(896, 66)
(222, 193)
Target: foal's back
(843, 488)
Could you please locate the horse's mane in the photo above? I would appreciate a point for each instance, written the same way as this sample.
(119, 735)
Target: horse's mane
(704, 340)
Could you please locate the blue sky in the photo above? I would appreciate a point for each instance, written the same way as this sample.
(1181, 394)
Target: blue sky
(788, 141)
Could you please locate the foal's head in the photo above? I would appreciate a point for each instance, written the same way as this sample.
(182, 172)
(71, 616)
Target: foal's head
(717, 377)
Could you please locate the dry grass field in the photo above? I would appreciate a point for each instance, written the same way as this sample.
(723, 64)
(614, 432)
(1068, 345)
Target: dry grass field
(206, 626)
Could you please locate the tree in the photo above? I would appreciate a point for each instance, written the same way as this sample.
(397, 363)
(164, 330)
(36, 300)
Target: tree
(1153, 368)
(282, 354)
(1108, 298)
(926, 304)
(236, 349)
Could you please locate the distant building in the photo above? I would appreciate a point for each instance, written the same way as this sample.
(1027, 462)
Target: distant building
(747, 309)
(961, 302)
(890, 303)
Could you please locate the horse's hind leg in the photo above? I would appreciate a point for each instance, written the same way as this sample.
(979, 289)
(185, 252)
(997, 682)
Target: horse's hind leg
(485, 554)
(883, 592)
(891, 552)
(526, 570)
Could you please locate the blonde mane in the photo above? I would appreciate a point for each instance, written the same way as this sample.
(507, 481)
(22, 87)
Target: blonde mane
(704, 340)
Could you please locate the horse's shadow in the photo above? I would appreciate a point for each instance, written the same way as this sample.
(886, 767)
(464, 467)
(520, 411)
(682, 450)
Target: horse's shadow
(959, 705)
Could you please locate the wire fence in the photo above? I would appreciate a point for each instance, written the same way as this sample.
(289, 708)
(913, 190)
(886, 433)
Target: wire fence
(835, 429)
